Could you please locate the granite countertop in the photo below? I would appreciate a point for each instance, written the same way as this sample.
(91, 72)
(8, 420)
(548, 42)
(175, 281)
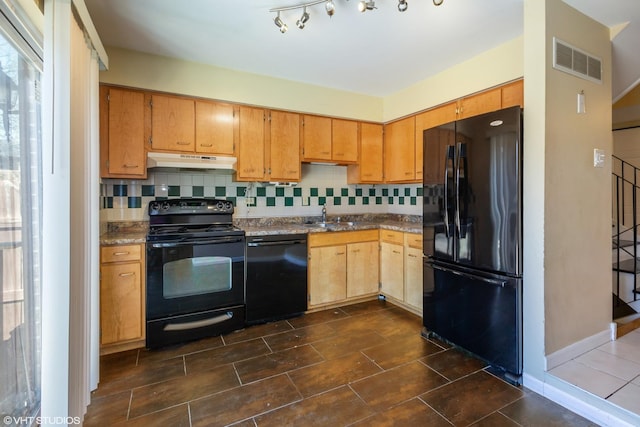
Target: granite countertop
(123, 233)
(275, 229)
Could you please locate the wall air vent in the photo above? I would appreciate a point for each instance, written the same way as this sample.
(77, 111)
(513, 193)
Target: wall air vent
(577, 62)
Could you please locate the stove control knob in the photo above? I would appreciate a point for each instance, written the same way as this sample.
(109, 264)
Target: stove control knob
(228, 206)
(183, 204)
(154, 206)
(220, 206)
(164, 206)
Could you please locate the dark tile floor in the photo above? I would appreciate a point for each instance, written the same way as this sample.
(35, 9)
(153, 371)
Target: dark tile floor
(358, 365)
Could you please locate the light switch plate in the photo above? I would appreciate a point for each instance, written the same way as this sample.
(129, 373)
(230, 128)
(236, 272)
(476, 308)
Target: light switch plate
(598, 158)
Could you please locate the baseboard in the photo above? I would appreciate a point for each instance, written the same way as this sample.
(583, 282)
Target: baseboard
(572, 400)
(576, 349)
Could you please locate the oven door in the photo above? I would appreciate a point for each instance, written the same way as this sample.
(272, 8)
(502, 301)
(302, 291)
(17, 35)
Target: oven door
(195, 275)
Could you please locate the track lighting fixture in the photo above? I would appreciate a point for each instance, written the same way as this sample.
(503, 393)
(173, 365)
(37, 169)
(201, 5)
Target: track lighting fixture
(363, 6)
(330, 8)
(278, 21)
(303, 19)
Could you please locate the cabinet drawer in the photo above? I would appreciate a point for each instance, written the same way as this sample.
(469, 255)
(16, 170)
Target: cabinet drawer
(413, 240)
(341, 237)
(121, 253)
(391, 236)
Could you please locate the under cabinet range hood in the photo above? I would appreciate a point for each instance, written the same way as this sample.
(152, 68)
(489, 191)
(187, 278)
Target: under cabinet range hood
(190, 161)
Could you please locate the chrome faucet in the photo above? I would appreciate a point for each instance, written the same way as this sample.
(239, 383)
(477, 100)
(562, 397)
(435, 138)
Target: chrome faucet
(324, 213)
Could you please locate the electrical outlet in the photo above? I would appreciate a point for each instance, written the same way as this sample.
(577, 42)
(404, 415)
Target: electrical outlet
(251, 201)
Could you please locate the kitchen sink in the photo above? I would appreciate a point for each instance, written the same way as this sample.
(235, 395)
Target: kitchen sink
(330, 225)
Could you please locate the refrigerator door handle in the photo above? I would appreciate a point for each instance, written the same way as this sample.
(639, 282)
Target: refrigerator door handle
(470, 275)
(458, 157)
(446, 190)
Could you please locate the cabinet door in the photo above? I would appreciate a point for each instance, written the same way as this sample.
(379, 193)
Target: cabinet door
(431, 160)
(251, 151)
(513, 94)
(121, 303)
(284, 147)
(362, 268)
(172, 123)
(391, 270)
(327, 274)
(122, 136)
(344, 145)
(413, 277)
(399, 150)
(369, 169)
(481, 103)
(215, 128)
(316, 138)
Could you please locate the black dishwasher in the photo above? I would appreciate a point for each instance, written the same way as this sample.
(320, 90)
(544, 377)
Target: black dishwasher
(276, 278)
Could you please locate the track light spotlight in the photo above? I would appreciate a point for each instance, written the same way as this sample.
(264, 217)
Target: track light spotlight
(330, 7)
(363, 6)
(280, 24)
(303, 19)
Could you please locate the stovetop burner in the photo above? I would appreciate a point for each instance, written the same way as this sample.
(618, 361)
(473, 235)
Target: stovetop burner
(174, 219)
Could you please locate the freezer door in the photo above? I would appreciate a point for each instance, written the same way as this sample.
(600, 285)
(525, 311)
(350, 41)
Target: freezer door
(479, 313)
(488, 219)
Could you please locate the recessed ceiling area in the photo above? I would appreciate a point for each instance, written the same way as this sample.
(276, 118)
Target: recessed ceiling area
(376, 53)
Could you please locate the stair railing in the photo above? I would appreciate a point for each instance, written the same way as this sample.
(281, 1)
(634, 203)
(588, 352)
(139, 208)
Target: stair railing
(625, 182)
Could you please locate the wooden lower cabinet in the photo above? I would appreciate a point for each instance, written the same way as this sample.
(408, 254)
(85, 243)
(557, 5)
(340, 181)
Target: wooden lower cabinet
(327, 274)
(401, 268)
(342, 266)
(362, 271)
(122, 298)
(391, 270)
(413, 270)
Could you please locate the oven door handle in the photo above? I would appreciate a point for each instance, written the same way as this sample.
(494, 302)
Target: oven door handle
(198, 323)
(212, 241)
(276, 243)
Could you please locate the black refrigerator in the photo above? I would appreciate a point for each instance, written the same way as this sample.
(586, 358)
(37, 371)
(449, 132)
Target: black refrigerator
(473, 248)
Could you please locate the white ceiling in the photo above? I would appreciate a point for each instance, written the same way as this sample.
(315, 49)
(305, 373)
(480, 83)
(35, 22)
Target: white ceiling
(377, 53)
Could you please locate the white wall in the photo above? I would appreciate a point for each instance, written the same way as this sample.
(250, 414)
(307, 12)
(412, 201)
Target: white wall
(134, 69)
(567, 200)
(491, 68)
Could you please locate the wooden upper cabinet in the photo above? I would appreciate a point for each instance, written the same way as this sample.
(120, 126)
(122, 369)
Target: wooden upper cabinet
(434, 146)
(216, 128)
(399, 150)
(344, 146)
(480, 103)
(251, 144)
(284, 146)
(172, 123)
(316, 138)
(122, 133)
(513, 94)
(370, 166)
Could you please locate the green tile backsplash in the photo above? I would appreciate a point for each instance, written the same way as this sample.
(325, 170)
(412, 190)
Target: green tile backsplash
(304, 198)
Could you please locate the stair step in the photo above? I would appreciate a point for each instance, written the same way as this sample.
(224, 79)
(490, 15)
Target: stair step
(626, 266)
(627, 324)
(623, 243)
